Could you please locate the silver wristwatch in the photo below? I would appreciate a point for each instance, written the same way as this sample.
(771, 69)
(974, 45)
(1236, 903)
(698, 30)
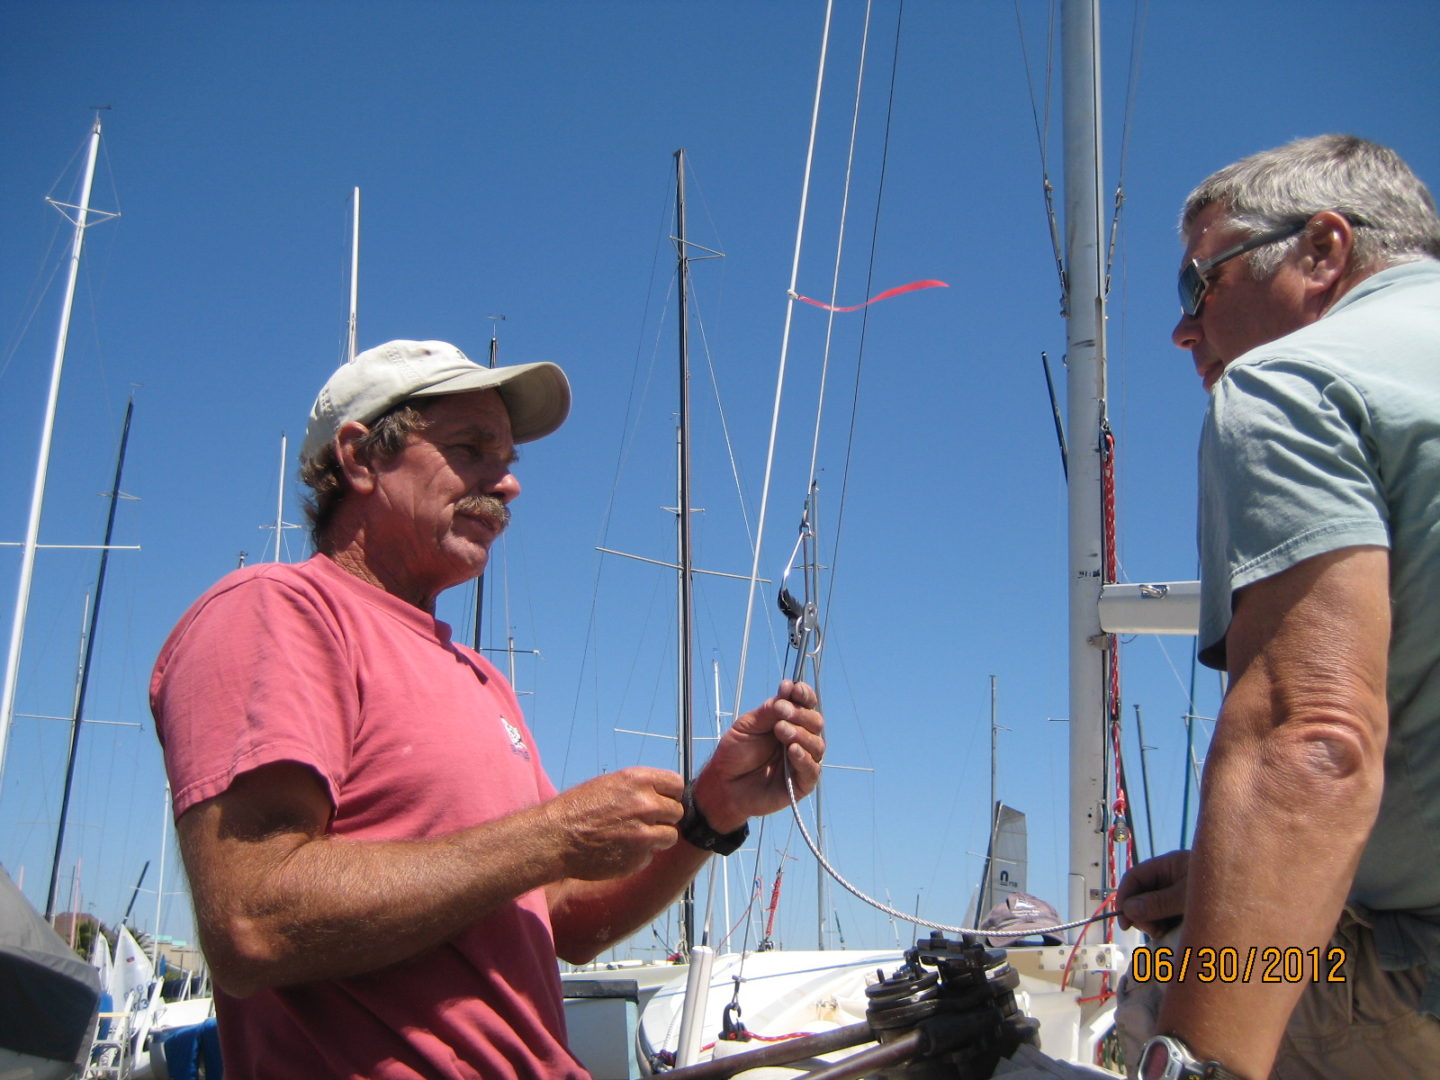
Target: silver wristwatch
(1166, 1057)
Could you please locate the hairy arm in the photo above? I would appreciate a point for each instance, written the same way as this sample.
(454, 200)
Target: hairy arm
(281, 901)
(1292, 786)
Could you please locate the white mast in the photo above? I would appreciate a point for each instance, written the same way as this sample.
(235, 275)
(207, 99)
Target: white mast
(1085, 309)
(160, 887)
(37, 498)
(280, 500)
(354, 325)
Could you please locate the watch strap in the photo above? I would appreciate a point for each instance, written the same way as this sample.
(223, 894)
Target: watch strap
(694, 829)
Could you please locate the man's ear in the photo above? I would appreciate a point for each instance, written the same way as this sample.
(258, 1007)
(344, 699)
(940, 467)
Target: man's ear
(1327, 245)
(354, 461)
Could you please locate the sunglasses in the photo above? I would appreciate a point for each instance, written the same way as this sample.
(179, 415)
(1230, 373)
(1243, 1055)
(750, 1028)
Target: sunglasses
(1194, 283)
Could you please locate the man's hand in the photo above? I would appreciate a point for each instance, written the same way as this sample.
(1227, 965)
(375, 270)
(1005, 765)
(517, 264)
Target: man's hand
(613, 825)
(746, 776)
(1152, 894)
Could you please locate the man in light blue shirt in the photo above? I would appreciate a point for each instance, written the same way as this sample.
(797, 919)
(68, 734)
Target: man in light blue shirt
(1310, 295)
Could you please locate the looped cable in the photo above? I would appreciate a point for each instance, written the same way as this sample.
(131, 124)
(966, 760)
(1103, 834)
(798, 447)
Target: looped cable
(895, 913)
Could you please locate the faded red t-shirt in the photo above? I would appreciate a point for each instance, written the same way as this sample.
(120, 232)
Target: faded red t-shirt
(414, 736)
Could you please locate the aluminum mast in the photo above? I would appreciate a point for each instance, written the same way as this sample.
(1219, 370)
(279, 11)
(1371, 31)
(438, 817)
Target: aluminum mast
(1085, 388)
(37, 497)
(686, 570)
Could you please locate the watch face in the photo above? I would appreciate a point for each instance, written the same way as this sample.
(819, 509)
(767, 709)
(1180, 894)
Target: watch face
(1156, 1062)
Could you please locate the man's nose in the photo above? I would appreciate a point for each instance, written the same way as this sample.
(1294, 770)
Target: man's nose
(1187, 333)
(506, 488)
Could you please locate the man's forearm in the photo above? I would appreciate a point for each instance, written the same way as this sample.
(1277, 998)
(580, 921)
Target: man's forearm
(333, 908)
(1292, 787)
(1270, 871)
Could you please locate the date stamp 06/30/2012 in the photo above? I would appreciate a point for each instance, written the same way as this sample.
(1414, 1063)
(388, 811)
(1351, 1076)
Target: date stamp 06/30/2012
(1271, 964)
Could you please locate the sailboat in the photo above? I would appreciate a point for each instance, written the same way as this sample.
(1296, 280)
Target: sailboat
(1068, 988)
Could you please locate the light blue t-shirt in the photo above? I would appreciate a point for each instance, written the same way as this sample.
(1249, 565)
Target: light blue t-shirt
(1329, 438)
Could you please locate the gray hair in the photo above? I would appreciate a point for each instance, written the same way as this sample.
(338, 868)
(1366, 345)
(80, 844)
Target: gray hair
(1366, 182)
(322, 474)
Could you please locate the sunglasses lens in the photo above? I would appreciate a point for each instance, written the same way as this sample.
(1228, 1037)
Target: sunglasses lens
(1192, 290)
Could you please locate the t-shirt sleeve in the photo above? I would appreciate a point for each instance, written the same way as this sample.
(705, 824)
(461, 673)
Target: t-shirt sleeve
(1287, 472)
(254, 675)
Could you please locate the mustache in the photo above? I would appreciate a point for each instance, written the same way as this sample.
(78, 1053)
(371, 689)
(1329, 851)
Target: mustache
(485, 506)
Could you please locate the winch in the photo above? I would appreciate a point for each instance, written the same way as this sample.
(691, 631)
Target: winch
(947, 1013)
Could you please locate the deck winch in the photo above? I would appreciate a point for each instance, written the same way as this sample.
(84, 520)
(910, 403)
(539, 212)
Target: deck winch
(947, 1013)
(959, 998)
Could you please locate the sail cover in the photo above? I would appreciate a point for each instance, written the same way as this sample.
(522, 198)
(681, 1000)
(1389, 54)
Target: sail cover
(48, 995)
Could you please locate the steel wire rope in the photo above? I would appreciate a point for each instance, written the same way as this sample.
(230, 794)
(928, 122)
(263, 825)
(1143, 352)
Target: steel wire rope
(839, 247)
(755, 571)
(1137, 45)
(795, 808)
(34, 298)
(829, 330)
(729, 443)
(808, 572)
(915, 919)
(1042, 137)
(37, 293)
(775, 410)
(864, 316)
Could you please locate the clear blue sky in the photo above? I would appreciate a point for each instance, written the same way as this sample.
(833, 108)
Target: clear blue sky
(515, 159)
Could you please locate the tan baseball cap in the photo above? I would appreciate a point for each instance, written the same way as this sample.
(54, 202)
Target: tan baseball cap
(537, 396)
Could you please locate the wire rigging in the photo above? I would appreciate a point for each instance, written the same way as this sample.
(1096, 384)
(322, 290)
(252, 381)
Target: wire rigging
(1137, 47)
(1042, 138)
(865, 319)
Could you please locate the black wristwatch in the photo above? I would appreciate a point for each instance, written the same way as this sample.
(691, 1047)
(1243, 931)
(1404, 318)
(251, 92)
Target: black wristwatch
(694, 829)
(1166, 1057)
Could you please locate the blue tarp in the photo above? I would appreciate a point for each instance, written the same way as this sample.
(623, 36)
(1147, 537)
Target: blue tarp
(185, 1048)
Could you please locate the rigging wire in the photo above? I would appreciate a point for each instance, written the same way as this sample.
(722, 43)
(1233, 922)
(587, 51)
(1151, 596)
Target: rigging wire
(775, 410)
(839, 247)
(865, 318)
(1042, 138)
(1137, 47)
(802, 652)
(38, 291)
(784, 356)
(896, 913)
(806, 637)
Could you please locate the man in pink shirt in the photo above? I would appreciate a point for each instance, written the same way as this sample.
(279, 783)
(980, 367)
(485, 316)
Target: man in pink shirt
(383, 875)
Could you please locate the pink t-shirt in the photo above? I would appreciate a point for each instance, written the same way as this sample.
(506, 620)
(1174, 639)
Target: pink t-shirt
(414, 736)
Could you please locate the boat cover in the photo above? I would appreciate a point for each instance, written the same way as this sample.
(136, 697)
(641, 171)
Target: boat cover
(48, 995)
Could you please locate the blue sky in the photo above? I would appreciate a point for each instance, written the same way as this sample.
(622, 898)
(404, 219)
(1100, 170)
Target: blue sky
(516, 160)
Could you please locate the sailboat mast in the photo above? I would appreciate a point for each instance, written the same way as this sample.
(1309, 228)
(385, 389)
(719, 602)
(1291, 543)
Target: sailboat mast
(480, 581)
(682, 516)
(987, 880)
(280, 499)
(160, 883)
(37, 497)
(353, 326)
(1085, 311)
(89, 653)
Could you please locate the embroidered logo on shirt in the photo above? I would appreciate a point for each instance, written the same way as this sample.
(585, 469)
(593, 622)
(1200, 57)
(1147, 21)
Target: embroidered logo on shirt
(517, 741)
